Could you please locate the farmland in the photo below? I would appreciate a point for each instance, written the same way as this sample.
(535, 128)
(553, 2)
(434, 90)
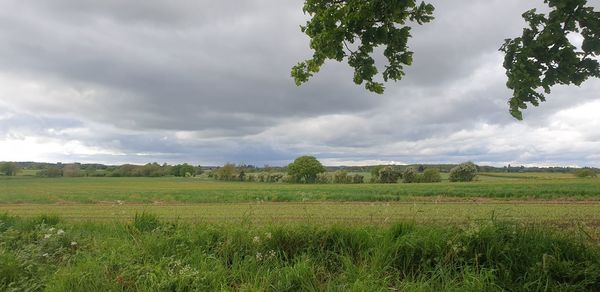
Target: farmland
(189, 190)
(534, 231)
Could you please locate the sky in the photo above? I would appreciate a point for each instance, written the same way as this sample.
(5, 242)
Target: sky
(208, 82)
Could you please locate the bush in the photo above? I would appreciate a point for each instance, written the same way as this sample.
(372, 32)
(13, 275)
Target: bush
(431, 175)
(388, 175)
(227, 172)
(341, 177)
(71, 170)
(9, 168)
(183, 170)
(275, 177)
(410, 175)
(463, 172)
(50, 172)
(323, 178)
(358, 178)
(586, 172)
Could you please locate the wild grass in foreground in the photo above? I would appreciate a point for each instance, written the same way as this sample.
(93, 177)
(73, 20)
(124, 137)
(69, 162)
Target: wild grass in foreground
(45, 253)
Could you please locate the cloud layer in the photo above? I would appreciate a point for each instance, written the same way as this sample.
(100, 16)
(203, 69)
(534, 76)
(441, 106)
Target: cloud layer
(208, 82)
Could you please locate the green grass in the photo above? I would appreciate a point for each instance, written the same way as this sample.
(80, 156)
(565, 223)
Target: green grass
(148, 254)
(534, 232)
(323, 213)
(152, 190)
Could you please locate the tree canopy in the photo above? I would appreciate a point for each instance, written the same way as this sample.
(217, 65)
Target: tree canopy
(542, 57)
(305, 169)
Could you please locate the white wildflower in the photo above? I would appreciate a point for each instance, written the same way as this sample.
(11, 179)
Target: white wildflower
(271, 254)
(73, 243)
(259, 256)
(268, 235)
(46, 236)
(51, 229)
(256, 239)
(60, 232)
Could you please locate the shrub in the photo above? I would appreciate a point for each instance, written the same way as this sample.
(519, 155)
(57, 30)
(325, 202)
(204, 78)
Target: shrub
(375, 173)
(50, 172)
(287, 179)
(71, 170)
(341, 177)
(274, 177)
(410, 175)
(463, 172)
(323, 178)
(431, 175)
(586, 172)
(9, 168)
(184, 170)
(227, 172)
(358, 178)
(388, 175)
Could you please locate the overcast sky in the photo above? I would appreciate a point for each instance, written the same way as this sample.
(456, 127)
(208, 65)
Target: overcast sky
(208, 82)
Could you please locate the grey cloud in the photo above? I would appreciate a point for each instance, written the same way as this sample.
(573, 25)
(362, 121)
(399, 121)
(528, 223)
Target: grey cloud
(208, 81)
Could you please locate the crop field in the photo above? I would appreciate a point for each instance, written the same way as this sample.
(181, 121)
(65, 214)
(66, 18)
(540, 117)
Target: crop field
(537, 232)
(189, 190)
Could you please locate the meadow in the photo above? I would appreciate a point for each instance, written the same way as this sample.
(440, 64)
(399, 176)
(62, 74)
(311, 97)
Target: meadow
(199, 190)
(530, 231)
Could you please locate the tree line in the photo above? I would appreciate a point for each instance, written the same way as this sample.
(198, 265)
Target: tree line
(99, 170)
(415, 173)
(307, 169)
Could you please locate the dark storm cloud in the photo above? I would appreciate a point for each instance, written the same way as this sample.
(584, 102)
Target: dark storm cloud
(223, 74)
(208, 82)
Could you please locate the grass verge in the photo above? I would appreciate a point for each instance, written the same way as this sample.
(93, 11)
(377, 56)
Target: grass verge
(149, 254)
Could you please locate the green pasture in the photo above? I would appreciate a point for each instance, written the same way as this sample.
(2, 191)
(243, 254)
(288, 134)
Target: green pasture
(192, 190)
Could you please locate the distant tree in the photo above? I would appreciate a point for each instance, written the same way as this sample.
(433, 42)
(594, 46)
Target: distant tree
(410, 175)
(375, 173)
(586, 172)
(388, 175)
(9, 168)
(71, 170)
(183, 170)
(51, 171)
(463, 172)
(227, 172)
(241, 175)
(305, 169)
(431, 175)
(198, 170)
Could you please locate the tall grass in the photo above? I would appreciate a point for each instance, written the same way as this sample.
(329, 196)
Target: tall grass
(149, 255)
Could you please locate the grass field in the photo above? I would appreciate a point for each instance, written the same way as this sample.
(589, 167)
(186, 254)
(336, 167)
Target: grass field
(182, 190)
(535, 232)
